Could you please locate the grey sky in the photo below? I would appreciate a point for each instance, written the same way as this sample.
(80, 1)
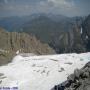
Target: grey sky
(27, 7)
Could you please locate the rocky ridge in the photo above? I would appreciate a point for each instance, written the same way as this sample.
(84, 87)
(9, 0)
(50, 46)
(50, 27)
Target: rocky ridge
(12, 43)
(80, 80)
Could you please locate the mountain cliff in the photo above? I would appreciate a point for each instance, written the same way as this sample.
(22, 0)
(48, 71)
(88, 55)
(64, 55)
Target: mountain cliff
(86, 32)
(12, 42)
(64, 34)
(76, 39)
(69, 42)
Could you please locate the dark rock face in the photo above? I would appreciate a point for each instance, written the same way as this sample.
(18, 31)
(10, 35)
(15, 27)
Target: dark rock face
(70, 41)
(86, 32)
(77, 39)
(80, 80)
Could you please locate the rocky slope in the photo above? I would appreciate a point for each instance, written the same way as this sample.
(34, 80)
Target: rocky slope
(80, 80)
(12, 42)
(70, 41)
(77, 39)
(86, 33)
(28, 72)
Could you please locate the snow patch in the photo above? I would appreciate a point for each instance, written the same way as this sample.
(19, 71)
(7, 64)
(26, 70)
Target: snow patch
(81, 30)
(41, 72)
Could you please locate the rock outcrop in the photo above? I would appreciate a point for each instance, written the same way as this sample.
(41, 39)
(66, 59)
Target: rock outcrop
(80, 80)
(69, 42)
(11, 42)
(77, 39)
(86, 33)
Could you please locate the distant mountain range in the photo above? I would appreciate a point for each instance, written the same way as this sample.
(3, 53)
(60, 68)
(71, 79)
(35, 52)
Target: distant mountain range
(44, 26)
(62, 33)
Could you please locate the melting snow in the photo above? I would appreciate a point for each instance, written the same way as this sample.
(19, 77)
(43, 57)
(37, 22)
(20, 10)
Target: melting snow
(86, 37)
(40, 72)
(81, 30)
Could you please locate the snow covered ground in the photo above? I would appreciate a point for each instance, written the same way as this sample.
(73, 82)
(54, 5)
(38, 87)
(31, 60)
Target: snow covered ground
(40, 72)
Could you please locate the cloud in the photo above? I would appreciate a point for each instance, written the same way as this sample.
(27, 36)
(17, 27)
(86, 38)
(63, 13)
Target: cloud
(26, 7)
(62, 3)
(65, 7)
(6, 1)
(3, 1)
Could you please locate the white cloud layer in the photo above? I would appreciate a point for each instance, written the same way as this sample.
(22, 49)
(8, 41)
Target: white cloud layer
(62, 3)
(26, 7)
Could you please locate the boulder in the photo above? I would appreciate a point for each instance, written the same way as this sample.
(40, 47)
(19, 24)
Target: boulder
(80, 80)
